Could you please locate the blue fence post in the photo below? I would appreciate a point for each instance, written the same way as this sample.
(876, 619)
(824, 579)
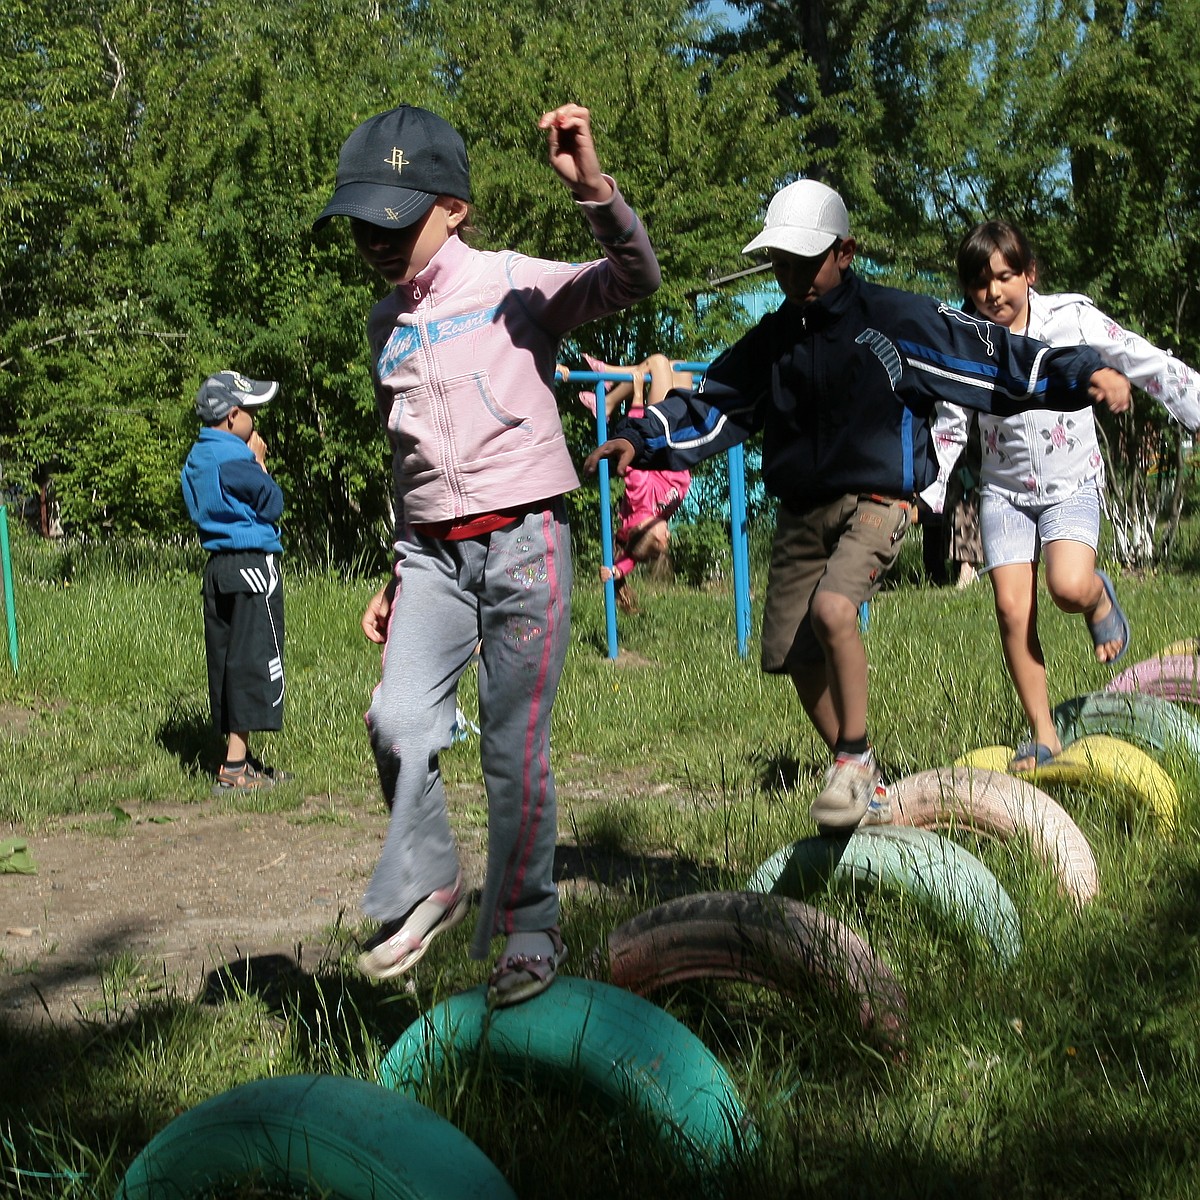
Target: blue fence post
(740, 538)
(606, 529)
(738, 530)
(10, 603)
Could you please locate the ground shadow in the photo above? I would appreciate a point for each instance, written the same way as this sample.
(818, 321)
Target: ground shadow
(188, 734)
(655, 876)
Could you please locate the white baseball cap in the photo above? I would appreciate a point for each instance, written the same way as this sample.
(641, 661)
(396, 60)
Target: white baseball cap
(803, 218)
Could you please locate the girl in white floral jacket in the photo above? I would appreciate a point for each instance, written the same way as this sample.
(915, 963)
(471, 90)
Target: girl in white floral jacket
(1042, 470)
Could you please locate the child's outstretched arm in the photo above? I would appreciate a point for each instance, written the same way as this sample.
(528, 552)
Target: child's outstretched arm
(573, 153)
(1110, 388)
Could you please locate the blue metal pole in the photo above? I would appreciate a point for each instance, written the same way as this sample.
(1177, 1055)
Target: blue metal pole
(739, 531)
(10, 604)
(741, 546)
(606, 530)
(602, 475)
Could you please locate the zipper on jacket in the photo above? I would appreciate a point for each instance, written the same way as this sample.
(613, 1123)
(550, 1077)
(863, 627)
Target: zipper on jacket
(443, 425)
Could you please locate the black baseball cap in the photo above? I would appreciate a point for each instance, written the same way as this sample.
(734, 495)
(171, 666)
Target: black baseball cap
(395, 165)
(219, 394)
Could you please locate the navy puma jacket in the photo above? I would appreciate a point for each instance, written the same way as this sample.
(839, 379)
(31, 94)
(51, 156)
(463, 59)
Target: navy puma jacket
(842, 390)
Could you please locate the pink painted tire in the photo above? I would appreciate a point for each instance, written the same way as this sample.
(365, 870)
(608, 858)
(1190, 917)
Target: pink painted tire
(995, 804)
(1175, 677)
(774, 941)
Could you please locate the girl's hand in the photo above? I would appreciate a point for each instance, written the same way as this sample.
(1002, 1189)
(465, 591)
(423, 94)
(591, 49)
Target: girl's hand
(1109, 387)
(619, 452)
(379, 609)
(573, 153)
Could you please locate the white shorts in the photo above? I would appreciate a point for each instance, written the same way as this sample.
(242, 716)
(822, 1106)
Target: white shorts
(1013, 534)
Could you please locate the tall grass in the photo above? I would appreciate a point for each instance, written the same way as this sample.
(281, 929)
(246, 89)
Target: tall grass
(1073, 1073)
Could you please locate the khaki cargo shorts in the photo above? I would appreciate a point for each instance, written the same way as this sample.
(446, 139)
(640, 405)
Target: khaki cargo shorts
(845, 547)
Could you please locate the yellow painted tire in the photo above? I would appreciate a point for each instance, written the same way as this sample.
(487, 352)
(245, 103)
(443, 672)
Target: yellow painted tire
(1187, 646)
(1097, 759)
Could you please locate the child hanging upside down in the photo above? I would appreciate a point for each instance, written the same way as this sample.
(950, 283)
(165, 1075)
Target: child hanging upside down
(651, 497)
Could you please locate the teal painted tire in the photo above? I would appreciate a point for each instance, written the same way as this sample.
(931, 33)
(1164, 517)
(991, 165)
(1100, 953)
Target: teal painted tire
(773, 941)
(327, 1135)
(930, 867)
(1145, 720)
(629, 1051)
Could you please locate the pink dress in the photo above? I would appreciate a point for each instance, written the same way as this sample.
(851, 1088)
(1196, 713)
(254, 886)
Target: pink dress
(648, 495)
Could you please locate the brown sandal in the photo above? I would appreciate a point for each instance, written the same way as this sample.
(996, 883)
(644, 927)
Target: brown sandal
(518, 977)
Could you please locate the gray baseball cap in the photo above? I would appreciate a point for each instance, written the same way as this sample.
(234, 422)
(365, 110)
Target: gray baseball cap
(395, 165)
(227, 390)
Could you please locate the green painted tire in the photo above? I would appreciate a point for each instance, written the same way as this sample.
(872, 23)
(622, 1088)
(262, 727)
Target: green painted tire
(1147, 721)
(631, 1052)
(326, 1134)
(932, 868)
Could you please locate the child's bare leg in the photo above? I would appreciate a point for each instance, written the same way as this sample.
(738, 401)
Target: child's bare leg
(835, 623)
(663, 377)
(622, 393)
(239, 746)
(812, 687)
(1075, 587)
(1015, 588)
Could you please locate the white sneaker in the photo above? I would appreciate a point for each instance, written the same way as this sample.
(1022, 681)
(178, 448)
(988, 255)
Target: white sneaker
(849, 787)
(879, 811)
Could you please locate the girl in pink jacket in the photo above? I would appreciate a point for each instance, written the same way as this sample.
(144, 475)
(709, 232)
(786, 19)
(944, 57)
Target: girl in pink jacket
(463, 353)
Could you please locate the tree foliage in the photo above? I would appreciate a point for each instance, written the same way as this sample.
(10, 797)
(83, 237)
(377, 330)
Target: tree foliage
(160, 166)
(1074, 118)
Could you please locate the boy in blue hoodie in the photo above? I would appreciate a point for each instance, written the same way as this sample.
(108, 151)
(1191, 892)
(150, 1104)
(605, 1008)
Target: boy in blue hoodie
(236, 506)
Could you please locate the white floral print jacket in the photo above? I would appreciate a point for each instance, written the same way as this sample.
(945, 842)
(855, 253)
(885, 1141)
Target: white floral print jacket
(1040, 457)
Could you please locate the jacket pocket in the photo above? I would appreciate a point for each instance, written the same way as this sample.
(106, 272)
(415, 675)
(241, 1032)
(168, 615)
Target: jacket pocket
(482, 426)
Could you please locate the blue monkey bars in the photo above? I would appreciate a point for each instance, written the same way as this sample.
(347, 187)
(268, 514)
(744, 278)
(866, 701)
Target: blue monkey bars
(738, 526)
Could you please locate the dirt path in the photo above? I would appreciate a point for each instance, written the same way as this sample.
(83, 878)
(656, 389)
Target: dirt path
(174, 893)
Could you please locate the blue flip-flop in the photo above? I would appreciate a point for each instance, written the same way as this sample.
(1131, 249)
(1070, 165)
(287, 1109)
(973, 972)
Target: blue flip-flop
(1038, 751)
(1114, 625)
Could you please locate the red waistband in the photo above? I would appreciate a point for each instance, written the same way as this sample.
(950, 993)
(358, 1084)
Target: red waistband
(476, 525)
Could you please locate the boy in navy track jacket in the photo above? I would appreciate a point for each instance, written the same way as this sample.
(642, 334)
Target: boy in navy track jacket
(841, 381)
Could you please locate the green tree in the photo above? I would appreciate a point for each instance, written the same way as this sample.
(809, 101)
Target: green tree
(164, 166)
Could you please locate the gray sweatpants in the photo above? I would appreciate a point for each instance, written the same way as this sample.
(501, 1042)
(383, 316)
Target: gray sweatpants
(510, 589)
